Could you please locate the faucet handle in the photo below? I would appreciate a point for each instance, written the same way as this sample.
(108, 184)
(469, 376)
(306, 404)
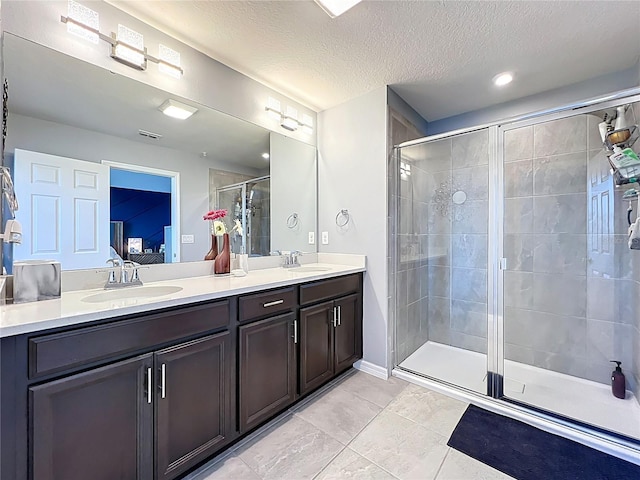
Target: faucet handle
(112, 274)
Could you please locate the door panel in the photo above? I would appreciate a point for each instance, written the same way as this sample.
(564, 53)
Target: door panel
(316, 342)
(348, 333)
(267, 369)
(193, 406)
(65, 209)
(96, 424)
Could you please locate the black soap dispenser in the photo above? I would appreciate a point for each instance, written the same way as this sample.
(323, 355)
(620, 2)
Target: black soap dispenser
(618, 382)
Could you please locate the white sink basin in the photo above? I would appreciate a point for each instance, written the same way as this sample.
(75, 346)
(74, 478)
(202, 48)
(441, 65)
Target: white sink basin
(132, 292)
(309, 269)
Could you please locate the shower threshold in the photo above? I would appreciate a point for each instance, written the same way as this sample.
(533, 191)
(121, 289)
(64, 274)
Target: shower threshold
(573, 397)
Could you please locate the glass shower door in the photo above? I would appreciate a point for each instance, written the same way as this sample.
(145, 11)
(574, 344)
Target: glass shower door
(441, 268)
(570, 283)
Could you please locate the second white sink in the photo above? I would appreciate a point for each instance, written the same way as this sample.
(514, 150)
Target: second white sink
(132, 292)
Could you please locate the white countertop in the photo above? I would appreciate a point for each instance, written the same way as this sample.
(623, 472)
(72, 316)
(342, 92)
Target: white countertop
(70, 309)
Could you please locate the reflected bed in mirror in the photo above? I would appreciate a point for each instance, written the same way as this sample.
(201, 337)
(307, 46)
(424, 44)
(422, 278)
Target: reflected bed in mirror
(96, 163)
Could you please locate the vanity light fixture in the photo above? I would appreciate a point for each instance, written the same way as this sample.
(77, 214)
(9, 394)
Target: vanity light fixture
(127, 46)
(176, 109)
(289, 118)
(334, 8)
(502, 79)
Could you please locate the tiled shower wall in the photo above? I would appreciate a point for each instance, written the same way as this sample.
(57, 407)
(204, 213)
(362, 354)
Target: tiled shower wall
(636, 295)
(442, 281)
(569, 288)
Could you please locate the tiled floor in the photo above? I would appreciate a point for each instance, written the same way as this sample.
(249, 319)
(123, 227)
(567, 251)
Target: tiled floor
(359, 428)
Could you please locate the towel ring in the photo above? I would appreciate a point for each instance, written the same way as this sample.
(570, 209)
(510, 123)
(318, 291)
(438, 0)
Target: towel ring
(292, 220)
(344, 213)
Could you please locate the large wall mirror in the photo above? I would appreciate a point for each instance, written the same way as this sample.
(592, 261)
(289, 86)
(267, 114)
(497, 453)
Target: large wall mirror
(98, 168)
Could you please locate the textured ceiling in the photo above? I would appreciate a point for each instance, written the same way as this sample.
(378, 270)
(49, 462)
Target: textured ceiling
(439, 56)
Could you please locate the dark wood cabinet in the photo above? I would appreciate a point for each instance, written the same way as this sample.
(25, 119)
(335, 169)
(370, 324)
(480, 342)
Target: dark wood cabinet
(316, 346)
(267, 369)
(96, 424)
(347, 333)
(193, 402)
(330, 340)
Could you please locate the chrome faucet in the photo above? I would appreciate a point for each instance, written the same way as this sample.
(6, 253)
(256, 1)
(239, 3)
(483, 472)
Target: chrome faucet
(124, 279)
(291, 259)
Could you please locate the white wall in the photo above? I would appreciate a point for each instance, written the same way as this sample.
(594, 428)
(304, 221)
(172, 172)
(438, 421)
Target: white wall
(293, 179)
(352, 174)
(53, 138)
(205, 80)
(558, 97)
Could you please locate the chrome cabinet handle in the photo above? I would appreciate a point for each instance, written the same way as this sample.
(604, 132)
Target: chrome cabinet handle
(295, 331)
(339, 314)
(164, 378)
(149, 389)
(271, 304)
(335, 317)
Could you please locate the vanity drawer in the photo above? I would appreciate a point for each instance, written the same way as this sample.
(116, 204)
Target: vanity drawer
(327, 289)
(63, 351)
(266, 303)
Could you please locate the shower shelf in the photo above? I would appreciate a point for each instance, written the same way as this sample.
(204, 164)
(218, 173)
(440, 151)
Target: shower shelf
(628, 143)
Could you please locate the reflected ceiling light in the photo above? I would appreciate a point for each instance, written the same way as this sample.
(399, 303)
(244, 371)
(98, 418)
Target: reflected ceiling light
(273, 108)
(265, 155)
(307, 124)
(333, 8)
(175, 109)
(502, 79)
(127, 46)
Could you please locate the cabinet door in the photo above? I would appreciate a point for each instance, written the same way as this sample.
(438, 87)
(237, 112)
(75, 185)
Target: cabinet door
(193, 406)
(267, 369)
(316, 346)
(348, 333)
(96, 424)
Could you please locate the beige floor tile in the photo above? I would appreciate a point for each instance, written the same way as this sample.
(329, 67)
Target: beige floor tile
(293, 449)
(340, 413)
(402, 447)
(458, 466)
(350, 465)
(230, 468)
(430, 409)
(374, 389)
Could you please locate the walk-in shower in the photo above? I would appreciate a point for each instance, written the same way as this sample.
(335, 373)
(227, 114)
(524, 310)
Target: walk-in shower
(249, 202)
(513, 278)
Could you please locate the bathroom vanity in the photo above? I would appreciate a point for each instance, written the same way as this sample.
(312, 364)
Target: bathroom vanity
(150, 389)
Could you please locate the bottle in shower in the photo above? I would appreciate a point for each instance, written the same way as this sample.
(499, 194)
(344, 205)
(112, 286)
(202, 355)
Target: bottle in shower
(618, 383)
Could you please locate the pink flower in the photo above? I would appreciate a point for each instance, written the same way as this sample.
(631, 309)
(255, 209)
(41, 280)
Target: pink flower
(215, 214)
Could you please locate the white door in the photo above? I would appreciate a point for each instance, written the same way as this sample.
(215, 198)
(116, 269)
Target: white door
(64, 210)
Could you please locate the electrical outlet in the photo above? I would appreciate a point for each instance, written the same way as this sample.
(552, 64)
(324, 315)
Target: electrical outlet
(187, 239)
(312, 238)
(325, 238)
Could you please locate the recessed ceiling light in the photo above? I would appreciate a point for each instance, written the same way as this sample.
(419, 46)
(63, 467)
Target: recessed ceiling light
(502, 79)
(333, 8)
(265, 155)
(177, 110)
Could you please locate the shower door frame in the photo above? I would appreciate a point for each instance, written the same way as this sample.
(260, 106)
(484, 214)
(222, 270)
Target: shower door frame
(494, 399)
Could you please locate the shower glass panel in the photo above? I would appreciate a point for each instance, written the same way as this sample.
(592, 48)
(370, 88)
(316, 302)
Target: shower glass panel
(441, 270)
(570, 287)
(250, 203)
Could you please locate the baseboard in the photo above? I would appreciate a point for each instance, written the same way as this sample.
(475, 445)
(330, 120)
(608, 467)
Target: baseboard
(371, 369)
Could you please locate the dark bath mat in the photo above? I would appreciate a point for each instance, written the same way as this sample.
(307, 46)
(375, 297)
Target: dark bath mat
(526, 453)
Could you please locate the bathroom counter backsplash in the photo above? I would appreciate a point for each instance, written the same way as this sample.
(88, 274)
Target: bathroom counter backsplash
(72, 308)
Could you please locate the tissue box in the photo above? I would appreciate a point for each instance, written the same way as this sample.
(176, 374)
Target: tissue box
(35, 280)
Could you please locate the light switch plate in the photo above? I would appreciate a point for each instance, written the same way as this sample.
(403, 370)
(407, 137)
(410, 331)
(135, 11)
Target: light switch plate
(187, 239)
(312, 238)
(325, 238)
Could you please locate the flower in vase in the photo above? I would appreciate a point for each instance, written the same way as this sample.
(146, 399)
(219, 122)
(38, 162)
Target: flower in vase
(237, 227)
(219, 227)
(215, 214)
